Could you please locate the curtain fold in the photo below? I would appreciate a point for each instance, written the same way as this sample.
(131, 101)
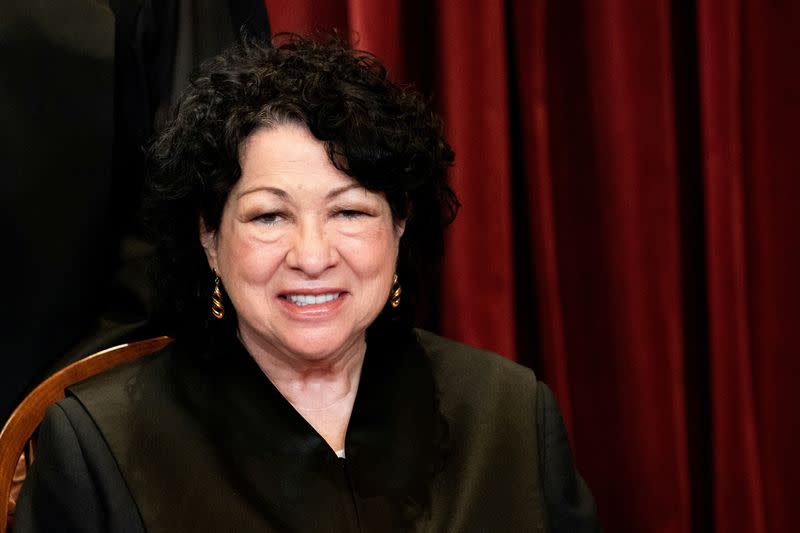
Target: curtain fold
(737, 474)
(628, 173)
(617, 227)
(749, 87)
(478, 288)
(530, 96)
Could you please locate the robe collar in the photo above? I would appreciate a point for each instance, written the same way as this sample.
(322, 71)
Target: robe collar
(393, 445)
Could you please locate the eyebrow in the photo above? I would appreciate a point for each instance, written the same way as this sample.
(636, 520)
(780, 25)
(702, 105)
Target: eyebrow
(283, 195)
(341, 190)
(274, 190)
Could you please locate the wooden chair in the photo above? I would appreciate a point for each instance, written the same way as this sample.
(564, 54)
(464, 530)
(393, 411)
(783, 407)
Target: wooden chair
(17, 445)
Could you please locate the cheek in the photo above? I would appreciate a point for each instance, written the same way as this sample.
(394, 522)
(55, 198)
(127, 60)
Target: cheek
(371, 254)
(247, 261)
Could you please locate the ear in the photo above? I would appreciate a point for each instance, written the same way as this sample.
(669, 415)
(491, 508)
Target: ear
(208, 239)
(400, 228)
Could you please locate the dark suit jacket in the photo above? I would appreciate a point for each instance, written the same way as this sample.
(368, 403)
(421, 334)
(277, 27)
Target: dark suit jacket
(443, 437)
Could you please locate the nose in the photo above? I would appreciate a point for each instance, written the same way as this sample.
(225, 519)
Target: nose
(312, 251)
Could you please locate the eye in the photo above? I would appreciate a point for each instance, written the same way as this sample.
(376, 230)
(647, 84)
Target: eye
(350, 214)
(269, 218)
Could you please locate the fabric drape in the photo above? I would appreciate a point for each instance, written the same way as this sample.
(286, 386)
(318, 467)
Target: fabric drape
(750, 114)
(629, 229)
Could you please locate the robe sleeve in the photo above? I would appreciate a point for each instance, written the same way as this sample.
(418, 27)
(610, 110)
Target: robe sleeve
(74, 484)
(569, 503)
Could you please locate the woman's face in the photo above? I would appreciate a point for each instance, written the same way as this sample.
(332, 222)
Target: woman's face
(304, 252)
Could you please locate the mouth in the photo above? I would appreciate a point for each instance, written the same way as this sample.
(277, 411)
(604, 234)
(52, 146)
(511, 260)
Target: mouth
(303, 300)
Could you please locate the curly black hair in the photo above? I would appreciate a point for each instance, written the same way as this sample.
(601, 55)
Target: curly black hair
(382, 134)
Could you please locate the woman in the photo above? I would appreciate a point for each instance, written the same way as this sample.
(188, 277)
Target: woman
(297, 194)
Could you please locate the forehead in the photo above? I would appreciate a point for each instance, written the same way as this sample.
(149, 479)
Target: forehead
(290, 157)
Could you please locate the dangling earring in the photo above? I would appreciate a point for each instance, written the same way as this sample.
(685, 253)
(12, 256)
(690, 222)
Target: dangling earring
(217, 307)
(397, 290)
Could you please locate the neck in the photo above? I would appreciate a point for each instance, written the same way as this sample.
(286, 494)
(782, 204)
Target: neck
(322, 391)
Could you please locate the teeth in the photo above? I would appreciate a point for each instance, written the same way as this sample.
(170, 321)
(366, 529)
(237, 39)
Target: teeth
(309, 299)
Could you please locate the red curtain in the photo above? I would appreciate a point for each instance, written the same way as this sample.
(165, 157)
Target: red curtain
(629, 178)
(750, 86)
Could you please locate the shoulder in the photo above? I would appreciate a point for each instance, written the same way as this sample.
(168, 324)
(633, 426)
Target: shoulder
(449, 353)
(74, 484)
(486, 398)
(149, 367)
(478, 389)
(472, 367)
(129, 404)
(118, 391)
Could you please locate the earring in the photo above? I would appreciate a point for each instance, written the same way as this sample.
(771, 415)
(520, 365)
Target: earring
(397, 290)
(217, 307)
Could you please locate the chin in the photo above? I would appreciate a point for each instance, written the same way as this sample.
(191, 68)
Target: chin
(317, 345)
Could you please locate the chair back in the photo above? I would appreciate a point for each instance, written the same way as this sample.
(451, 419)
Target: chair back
(16, 444)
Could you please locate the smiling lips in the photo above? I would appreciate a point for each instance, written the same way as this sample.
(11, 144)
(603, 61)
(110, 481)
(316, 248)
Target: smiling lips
(311, 299)
(322, 304)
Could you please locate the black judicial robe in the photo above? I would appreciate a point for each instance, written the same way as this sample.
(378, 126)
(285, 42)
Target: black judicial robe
(442, 438)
